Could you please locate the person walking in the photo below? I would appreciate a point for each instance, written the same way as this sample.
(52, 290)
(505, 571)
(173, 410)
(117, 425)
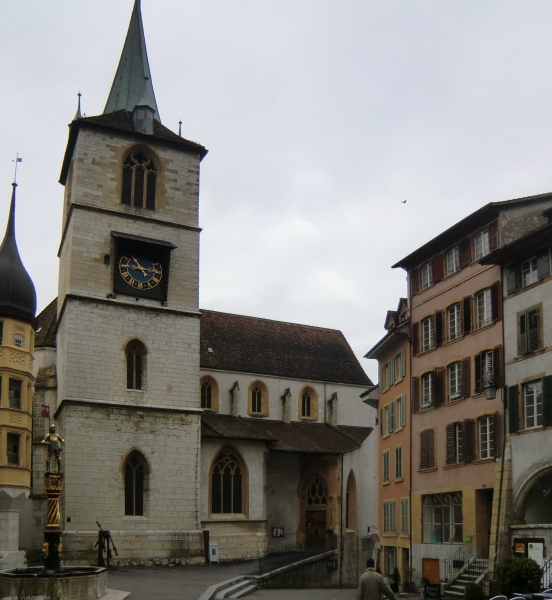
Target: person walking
(371, 584)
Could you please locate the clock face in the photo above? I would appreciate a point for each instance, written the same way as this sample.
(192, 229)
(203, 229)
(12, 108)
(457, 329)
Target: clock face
(140, 272)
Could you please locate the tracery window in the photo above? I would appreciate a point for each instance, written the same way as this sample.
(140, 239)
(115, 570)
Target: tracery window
(139, 181)
(442, 519)
(256, 400)
(206, 394)
(135, 359)
(306, 405)
(134, 484)
(227, 484)
(317, 492)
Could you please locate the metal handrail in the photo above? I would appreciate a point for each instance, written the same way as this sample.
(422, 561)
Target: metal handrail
(287, 554)
(466, 556)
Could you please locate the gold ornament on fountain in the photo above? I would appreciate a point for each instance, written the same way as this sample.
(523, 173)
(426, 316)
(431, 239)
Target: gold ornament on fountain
(45, 549)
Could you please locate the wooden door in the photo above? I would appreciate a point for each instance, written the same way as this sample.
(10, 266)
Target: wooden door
(430, 569)
(316, 529)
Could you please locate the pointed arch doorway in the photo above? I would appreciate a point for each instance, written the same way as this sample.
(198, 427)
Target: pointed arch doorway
(315, 507)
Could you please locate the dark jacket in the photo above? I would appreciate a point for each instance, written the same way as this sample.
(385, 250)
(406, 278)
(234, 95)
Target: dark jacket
(371, 586)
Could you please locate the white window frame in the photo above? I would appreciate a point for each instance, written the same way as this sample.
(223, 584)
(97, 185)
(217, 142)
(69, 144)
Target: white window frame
(427, 275)
(427, 390)
(386, 474)
(454, 377)
(529, 272)
(486, 436)
(533, 406)
(453, 321)
(427, 334)
(484, 311)
(481, 244)
(453, 261)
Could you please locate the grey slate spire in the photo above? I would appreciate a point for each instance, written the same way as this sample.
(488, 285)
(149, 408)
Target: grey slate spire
(132, 85)
(17, 291)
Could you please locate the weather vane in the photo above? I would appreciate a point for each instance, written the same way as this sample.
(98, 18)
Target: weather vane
(18, 159)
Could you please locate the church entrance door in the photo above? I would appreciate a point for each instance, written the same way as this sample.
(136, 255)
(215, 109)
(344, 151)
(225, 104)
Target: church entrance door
(316, 529)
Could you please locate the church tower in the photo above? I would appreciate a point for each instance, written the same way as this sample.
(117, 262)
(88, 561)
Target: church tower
(128, 325)
(17, 312)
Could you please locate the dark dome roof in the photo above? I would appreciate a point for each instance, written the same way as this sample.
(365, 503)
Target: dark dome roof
(17, 291)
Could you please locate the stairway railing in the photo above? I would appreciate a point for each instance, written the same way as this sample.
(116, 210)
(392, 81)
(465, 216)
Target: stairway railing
(546, 580)
(466, 556)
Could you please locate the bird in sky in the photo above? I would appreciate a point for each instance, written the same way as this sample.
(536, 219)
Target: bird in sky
(403, 202)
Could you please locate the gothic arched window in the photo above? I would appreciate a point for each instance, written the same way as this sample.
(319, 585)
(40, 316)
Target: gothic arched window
(135, 473)
(227, 484)
(317, 492)
(258, 399)
(139, 181)
(135, 363)
(206, 394)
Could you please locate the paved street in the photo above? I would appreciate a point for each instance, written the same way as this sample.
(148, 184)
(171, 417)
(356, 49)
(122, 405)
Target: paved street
(188, 583)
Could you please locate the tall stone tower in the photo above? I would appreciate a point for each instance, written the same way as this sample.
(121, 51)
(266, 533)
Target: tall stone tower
(128, 325)
(17, 312)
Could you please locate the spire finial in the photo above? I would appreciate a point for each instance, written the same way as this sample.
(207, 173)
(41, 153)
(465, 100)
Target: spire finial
(17, 160)
(180, 128)
(78, 114)
(132, 85)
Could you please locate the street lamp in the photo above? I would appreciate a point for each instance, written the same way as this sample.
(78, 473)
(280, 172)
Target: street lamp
(488, 385)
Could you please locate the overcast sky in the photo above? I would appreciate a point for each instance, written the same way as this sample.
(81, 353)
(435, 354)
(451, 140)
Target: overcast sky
(320, 118)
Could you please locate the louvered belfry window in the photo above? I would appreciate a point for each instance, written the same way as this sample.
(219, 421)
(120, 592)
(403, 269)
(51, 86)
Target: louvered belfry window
(139, 181)
(135, 358)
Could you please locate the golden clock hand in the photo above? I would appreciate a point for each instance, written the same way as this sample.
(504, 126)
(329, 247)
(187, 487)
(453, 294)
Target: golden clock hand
(139, 266)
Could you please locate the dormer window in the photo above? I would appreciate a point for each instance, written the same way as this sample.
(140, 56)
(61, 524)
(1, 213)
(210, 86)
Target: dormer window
(139, 181)
(427, 275)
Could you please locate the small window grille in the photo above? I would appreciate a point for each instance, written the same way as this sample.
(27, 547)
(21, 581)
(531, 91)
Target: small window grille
(317, 493)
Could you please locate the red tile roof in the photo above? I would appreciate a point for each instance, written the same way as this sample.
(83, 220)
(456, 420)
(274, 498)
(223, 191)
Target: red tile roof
(253, 345)
(303, 437)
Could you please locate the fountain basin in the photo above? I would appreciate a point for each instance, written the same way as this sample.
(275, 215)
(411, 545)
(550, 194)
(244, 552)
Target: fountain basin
(75, 583)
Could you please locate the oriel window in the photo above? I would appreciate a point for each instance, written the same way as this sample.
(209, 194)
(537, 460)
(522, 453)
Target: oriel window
(15, 393)
(13, 448)
(139, 181)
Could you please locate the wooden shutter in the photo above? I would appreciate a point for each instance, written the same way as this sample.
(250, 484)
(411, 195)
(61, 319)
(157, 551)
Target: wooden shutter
(432, 317)
(423, 449)
(415, 338)
(522, 334)
(381, 422)
(430, 448)
(547, 400)
(493, 235)
(415, 394)
(511, 280)
(466, 377)
(451, 444)
(465, 252)
(439, 386)
(495, 434)
(513, 408)
(533, 330)
(438, 328)
(497, 366)
(414, 282)
(543, 263)
(466, 314)
(478, 371)
(468, 448)
(496, 301)
(437, 268)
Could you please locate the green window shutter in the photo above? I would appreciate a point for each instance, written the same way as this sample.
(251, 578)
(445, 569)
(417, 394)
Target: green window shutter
(513, 408)
(547, 399)
(403, 362)
(533, 342)
(381, 422)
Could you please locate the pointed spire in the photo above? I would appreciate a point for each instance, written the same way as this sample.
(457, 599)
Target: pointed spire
(78, 114)
(132, 85)
(180, 128)
(17, 292)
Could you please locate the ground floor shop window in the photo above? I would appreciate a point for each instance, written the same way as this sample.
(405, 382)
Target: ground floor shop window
(442, 518)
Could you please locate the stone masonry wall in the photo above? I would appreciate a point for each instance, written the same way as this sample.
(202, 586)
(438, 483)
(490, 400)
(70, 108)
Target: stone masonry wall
(98, 440)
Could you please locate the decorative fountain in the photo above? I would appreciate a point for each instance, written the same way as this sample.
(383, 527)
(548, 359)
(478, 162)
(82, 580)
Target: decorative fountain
(72, 583)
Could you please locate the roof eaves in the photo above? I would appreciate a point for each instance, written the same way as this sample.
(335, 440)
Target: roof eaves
(504, 254)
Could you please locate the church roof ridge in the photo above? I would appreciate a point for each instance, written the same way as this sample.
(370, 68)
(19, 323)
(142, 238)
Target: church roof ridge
(132, 85)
